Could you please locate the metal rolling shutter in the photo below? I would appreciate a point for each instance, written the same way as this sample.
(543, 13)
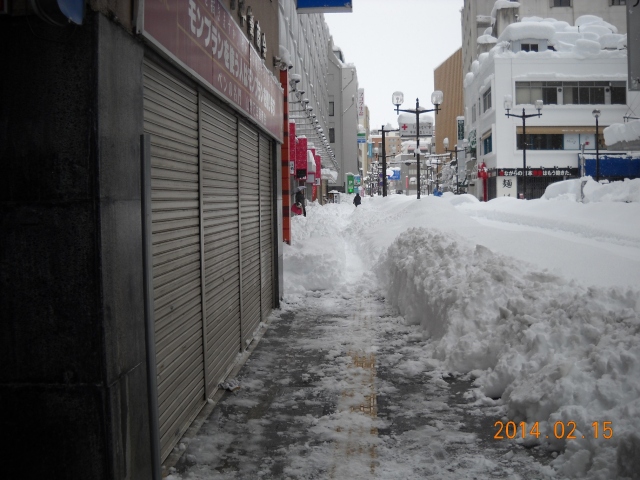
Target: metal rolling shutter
(171, 119)
(249, 229)
(266, 227)
(219, 144)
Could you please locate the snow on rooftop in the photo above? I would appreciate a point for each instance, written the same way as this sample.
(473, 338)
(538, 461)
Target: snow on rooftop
(500, 4)
(485, 39)
(591, 37)
(527, 30)
(588, 20)
(622, 132)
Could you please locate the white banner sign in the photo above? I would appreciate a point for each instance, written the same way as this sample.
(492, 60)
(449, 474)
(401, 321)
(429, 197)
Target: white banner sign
(360, 103)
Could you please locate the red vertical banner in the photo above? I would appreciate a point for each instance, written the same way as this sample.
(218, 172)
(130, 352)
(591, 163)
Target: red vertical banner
(286, 157)
(301, 158)
(316, 183)
(293, 142)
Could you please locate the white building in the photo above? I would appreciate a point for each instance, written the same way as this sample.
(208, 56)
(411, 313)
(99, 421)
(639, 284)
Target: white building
(574, 70)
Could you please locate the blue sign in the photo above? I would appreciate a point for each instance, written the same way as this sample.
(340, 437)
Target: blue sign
(324, 6)
(395, 176)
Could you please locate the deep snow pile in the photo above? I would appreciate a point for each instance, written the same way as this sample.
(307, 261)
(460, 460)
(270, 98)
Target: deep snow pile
(544, 345)
(549, 349)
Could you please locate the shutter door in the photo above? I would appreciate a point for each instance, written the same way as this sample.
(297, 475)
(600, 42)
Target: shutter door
(171, 119)
(219, 142)
(266, 227)
(249, 230)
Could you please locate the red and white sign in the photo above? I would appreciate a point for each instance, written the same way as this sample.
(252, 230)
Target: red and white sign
(201, 36)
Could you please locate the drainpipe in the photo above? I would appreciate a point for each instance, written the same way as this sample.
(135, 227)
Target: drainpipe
(152, 386)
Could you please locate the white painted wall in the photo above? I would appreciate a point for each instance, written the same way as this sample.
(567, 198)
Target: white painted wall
(501, 71)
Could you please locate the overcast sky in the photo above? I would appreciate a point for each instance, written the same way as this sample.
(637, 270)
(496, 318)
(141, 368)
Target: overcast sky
(396, 45)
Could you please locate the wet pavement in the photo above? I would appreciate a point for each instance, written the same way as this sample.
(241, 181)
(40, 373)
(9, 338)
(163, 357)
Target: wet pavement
(338, 387)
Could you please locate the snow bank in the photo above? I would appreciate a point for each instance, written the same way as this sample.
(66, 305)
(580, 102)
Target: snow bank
(622, 132)
(548, 349)
(626, 191)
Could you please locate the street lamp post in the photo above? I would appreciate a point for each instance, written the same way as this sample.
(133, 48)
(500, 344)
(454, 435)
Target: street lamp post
(596, 114)
(508, 104)
(374, 173)
(456, 150)
(384, 159)
(436, 99)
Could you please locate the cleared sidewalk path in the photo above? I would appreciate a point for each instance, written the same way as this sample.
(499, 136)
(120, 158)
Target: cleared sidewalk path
(339, 388)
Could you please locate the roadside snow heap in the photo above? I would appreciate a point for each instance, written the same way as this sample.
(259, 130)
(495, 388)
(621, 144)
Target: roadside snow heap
(560, 357)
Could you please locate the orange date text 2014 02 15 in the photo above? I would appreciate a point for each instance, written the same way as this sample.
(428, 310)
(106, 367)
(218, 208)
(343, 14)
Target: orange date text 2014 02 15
(561, 430)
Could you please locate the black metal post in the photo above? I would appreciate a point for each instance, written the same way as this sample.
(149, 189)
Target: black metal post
(597, 153)
(524, 156)
(384, 161)
(457, 171)
(418, 144)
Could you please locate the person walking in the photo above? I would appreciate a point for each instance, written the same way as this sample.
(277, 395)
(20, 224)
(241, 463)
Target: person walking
(300, 200)
(357, 200)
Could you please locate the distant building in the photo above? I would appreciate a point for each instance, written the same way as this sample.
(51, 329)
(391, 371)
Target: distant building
(573, 70)
(342, 87)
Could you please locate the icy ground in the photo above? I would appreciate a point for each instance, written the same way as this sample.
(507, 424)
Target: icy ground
(453, 315)
(341, 388)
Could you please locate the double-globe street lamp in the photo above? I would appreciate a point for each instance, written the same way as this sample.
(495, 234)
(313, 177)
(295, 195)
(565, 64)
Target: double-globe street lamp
(508, 105)
(445, 142)
(436, 99)
(384, 130)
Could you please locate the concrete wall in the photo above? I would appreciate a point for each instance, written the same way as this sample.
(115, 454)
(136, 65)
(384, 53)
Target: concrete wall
(73, 394)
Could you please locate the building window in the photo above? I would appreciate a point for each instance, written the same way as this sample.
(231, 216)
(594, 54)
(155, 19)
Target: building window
(332, 135)
(331, 108)
(618, 2)
(560, 3)
(572, 93)
(528, 92)
(529, 47)
(486, 100)
(487, 145)
(473, 114)
(542, 141)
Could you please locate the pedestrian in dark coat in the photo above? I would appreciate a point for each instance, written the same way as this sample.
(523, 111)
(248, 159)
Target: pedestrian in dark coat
(357, 200)
(300, 200)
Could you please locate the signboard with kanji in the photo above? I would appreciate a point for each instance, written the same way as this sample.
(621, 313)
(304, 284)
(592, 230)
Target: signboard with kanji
(360, 104)
(202, 37)
(409, 129)
(507, 187)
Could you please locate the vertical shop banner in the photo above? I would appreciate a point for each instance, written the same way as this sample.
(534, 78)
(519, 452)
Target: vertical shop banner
(201, 36)
(318, 169)
(360, 104)
(460, 129)
(301, 158)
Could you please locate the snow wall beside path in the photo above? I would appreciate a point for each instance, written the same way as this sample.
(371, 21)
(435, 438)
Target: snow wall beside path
(548, 349)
